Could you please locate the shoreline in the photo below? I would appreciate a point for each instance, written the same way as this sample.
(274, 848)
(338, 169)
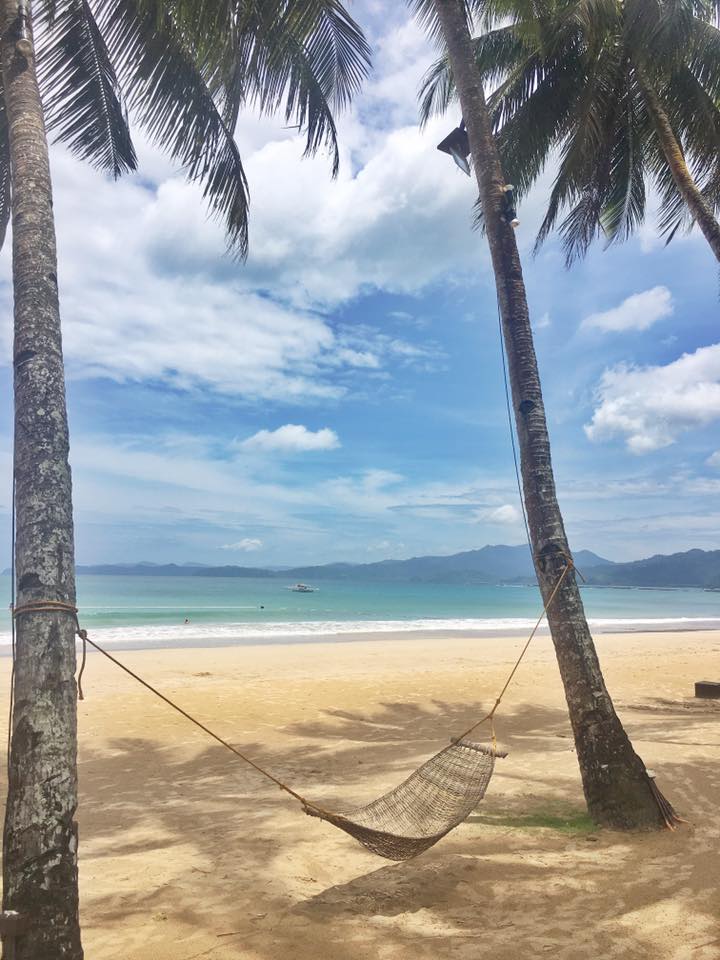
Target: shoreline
(205, 636)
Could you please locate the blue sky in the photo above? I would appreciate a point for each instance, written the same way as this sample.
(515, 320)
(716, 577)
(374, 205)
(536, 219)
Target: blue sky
(340, 397)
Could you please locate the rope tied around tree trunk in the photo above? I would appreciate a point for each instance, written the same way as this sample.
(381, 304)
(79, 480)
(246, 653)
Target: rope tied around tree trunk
(60, 606)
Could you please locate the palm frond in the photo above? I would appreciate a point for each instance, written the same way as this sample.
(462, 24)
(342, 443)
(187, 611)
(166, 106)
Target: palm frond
(437, 91)
(335, 44)
(694, 114)
(664, 29)
(528, 134)
(583, 176)
(308, 56)
(624, 206)
(82, 99)
(495, 54)
(595, 18)
(702, 57)
(425, 12)
(165, 80)
(673, 214)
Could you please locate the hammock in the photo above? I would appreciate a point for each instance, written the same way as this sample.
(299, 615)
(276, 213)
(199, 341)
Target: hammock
(433, 800)
(403, 823)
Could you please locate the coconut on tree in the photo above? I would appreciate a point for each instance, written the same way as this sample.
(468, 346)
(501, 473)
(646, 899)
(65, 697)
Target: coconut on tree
(623, 95)
(619, 791)
(87, 71)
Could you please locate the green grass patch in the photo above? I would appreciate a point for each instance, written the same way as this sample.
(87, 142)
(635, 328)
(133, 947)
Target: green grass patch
(571, 822)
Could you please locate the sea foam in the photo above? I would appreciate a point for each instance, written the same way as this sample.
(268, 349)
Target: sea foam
(232, 634)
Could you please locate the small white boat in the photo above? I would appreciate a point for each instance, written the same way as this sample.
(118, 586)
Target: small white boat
(302, 588)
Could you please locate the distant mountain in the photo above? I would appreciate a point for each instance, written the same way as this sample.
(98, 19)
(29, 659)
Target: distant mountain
(490, 564)
(694, 568)
(145, 569)
(232, 571)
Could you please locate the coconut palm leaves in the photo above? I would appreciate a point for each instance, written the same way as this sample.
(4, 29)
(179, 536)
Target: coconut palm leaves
(308, 53)
(182, 71)
(84, 106)
(603, 89)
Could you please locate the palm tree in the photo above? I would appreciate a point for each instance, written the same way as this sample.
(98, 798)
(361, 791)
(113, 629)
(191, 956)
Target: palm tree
(183, 71)
(626, 92)
(618, 789)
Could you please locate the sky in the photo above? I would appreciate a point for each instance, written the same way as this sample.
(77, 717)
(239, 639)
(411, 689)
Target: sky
(340, 395)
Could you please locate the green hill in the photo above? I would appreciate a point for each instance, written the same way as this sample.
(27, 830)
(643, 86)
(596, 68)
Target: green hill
(693, 568)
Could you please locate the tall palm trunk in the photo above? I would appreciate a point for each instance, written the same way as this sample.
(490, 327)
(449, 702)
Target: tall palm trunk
(617, 788)
(40, 835)
(697, 205)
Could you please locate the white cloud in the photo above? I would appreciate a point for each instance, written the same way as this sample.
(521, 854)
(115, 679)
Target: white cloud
(398, 220)
(543, 323)
(400, 57)
(158, 301)
(505, 515)
(292, 438)
(714, 459)
(650, 406)
(378, 479)
(637, 312)
(246, 545)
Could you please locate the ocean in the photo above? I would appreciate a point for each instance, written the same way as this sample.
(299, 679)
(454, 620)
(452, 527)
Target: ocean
(134, 612)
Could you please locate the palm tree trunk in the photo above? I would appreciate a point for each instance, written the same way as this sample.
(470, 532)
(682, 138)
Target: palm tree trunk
(40, 871)
(697, 205)
(618, 790)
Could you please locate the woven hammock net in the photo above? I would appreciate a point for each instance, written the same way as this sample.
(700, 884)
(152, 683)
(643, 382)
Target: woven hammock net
(433, 800)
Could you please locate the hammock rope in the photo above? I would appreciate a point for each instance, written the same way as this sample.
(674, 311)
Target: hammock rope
(407, 820)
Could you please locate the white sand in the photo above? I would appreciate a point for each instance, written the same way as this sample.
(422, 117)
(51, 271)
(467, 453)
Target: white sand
(186, 853)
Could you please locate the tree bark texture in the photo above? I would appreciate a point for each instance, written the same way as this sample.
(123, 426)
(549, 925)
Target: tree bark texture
(617, 788)
(698, 206)
(40, 874)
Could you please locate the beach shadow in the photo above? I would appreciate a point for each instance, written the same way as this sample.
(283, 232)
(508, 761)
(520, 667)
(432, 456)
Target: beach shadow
(522, 876)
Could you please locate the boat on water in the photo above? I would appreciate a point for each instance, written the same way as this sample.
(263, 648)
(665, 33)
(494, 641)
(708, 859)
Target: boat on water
(302, 588)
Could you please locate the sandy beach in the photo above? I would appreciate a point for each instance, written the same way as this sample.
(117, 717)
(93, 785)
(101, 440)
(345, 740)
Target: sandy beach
(188, 853)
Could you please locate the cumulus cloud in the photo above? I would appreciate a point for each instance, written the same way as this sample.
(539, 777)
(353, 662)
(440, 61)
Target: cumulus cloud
(505, 515)
(292, 438)
(637, 312)
(714, 459)
(158, 300)
(246, 545)
(650, 406)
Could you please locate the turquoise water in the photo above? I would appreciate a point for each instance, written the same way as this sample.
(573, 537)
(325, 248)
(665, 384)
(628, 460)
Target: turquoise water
(150, 611)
